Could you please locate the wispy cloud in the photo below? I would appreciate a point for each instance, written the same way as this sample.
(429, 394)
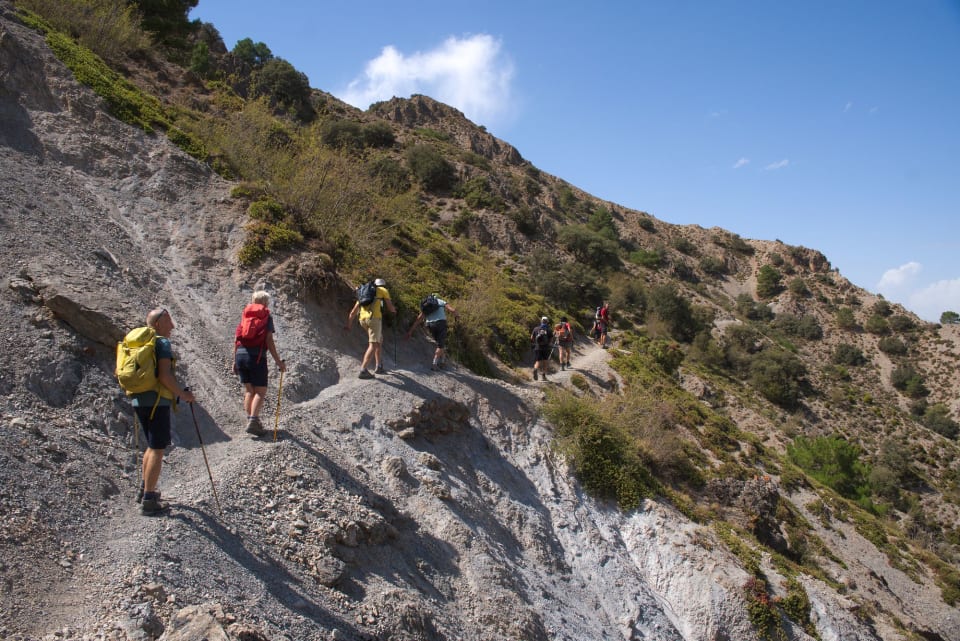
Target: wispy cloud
(472, 74)
(743, 162)
(780, 164)
(873, 110)
(931, 301)
(847, 107)
(894, 279)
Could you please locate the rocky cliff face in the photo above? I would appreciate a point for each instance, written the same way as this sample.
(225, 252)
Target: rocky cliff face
(422, 505)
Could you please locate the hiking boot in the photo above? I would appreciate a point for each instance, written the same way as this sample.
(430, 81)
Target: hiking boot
(379, 370)
(365, 374)
(434, 366)
(534, 374)
(563, 366)
(152, 505)
(255, 427)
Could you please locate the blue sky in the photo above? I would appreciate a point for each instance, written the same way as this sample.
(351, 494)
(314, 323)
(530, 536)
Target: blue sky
(829, 124)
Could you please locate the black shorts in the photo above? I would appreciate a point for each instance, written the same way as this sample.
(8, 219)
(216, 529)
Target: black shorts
(438, 329)
(251, 365)
(542, 353)
(156, 429)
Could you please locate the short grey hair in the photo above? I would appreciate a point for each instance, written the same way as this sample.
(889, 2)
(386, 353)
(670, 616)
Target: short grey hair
(261, 298)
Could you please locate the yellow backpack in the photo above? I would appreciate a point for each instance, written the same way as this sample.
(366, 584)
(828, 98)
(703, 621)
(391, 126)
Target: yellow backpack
(137, 364)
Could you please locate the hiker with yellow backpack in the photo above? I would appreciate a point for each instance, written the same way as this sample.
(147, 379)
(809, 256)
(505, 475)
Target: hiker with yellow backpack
(145, 371)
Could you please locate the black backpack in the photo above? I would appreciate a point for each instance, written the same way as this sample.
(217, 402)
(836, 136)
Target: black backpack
(541, 336)
(366, 293)
(429, 305)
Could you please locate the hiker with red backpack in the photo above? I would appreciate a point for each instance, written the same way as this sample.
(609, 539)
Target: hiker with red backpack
(542, 339)
(253, 340)
(564, 333)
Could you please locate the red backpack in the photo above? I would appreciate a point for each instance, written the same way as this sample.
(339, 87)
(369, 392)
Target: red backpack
(252, 328)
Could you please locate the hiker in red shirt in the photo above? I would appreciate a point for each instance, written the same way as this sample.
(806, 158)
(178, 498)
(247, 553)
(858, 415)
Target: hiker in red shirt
(564, 336)
(604, 323)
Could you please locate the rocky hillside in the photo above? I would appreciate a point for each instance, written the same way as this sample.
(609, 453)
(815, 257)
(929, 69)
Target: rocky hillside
(422, 505)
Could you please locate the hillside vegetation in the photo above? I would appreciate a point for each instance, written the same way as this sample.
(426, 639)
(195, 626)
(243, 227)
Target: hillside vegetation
(757, 391)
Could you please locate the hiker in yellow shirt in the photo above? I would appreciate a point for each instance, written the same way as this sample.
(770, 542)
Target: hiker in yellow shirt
(371, 319)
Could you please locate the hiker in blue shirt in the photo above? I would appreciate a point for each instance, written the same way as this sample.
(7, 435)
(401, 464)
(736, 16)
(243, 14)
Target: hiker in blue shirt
(433, 312)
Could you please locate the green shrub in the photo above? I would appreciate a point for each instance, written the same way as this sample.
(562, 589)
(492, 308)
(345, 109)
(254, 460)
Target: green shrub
(477, 194)
(282, 85)
(798, 288)
(674, 311)
(906, 379)
(430, 168)
(713, 265)
(845, 318)
(949, 318)
(892, 345)
(167, 20)
(833, 461)
(901, 323)
(124, 100)
(779, 377)
(684, 246)
(377, 134)
(751, 309)
(525, 219)
(342, 134)
(267, 210)
(846, 354)
(108, 29)
(768, 282)
(805, 326)
(877, 324)
(651, 259)
(937, 418)
(391, 177)
(604, 459)
(589, 246)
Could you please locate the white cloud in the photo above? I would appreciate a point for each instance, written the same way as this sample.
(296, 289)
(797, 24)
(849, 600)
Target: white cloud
(894, 280)
(847, 107)
(780, 164)
(741, 163)
(471, 74)
(931, 301)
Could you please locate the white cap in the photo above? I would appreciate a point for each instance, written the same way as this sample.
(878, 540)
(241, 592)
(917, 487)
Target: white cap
(544, 319)
(380, 282)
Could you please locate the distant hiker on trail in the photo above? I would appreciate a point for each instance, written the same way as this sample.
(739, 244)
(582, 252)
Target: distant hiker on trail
(604, 324)
(433, 311)
(542, 337)
(371, 297)
(253, 339)
(154, 389)
(564, 335)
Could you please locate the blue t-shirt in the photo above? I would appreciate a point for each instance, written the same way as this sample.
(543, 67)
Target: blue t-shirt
(438, 314)
(147, 399)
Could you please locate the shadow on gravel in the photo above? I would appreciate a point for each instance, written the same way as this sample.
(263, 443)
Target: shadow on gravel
(186, 431)
(286, 588)
(419, 556)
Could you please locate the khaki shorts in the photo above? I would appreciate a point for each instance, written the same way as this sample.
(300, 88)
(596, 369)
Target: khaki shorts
(374, 327)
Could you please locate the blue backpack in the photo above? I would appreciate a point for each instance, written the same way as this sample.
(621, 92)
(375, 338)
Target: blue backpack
(366, 293)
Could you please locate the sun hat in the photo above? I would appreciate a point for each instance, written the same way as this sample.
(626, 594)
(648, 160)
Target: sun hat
(380, 282)
(544, 319)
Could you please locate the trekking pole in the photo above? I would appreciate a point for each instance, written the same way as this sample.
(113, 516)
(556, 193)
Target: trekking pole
(276, 421)
(205, 461)
(136, 445)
